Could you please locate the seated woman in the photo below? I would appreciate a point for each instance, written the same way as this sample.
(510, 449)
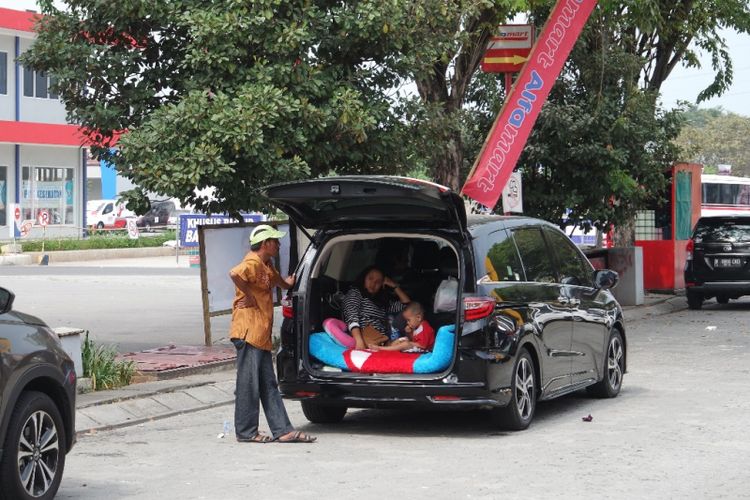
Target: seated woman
(366, 305)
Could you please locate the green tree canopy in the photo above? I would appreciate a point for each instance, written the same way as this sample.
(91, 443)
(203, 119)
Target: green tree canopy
(714, 136)
(229, 94)
(236, 94)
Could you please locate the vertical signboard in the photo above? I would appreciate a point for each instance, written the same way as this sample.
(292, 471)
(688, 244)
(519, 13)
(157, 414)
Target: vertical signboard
(508, 136)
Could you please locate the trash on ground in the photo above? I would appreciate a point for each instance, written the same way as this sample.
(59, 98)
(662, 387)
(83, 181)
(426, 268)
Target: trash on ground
(589, 418)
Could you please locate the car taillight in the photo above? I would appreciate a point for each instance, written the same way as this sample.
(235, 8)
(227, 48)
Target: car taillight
(689, 250)
(286, 308)
(478, 307)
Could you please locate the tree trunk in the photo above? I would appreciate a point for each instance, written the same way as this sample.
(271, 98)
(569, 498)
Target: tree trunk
(447, 166)
(624, 234)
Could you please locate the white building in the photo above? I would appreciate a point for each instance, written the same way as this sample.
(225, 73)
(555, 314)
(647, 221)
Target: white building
(42, 157)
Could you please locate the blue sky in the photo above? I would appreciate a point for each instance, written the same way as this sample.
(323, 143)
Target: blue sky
(682, 84)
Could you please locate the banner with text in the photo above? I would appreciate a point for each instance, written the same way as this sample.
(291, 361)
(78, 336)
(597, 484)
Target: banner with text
(508, 136)
(189, 225)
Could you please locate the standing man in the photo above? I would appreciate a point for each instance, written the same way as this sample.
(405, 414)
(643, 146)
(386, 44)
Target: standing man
(250, 332)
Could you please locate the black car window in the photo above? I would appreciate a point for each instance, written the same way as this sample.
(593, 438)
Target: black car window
(501, 261)
(535, 255)
(722, 229)
(108, 209)
(573, 268)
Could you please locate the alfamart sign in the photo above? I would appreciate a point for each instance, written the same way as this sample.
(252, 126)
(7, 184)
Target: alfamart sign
(511, 130)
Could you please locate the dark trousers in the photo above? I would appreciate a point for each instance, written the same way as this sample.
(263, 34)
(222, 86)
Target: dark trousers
(256, 384)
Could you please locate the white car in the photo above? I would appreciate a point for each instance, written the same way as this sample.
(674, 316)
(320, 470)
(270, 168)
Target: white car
(103, 213)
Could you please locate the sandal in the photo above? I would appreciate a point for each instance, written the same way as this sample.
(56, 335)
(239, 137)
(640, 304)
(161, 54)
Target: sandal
(296, 437)
(258, 438)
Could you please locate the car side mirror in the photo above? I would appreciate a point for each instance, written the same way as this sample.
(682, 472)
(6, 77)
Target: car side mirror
(6, 300)
(604, 279)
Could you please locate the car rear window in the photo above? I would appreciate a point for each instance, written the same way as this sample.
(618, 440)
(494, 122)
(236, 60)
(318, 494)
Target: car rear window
(708, 230)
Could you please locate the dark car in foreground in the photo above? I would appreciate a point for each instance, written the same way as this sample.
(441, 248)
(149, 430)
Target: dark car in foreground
(533, 320)
(718, 260)
(37, 405)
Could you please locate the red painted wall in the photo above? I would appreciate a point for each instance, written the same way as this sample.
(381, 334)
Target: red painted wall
(664, 260)
(658, 264)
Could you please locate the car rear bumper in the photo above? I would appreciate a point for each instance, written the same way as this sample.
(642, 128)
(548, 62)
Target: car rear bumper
(381, 395)
(726, 287)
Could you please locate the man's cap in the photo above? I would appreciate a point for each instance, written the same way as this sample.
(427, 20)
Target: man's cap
(265, 232)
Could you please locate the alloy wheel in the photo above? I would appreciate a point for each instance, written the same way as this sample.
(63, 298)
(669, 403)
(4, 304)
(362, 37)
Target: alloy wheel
(524, 393)
(615, 362)
(38, 453)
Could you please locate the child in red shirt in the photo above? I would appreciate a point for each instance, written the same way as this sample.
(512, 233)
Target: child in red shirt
(417, 334)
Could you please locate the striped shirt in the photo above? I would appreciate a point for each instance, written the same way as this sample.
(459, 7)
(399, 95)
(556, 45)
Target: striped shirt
(360, 311)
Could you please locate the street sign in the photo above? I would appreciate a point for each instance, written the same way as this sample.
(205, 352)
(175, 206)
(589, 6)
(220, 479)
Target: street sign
(513, 194)
(42, 218)
(509, 50)
(14, 226)
(26, 228)
(132, 229)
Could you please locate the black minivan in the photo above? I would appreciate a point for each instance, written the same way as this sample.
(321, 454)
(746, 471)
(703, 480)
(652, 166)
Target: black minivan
(717, 263)
(532, 319)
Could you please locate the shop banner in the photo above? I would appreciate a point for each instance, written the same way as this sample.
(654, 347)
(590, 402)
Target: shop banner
(189, 225)
(508, 136)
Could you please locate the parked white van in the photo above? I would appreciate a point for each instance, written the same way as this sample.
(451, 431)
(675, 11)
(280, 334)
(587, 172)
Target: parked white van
(103, 213)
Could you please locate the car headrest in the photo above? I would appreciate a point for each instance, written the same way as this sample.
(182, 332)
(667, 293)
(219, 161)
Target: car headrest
(426, 255)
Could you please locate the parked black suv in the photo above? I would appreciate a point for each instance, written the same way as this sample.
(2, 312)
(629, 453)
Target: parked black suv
(37, 405)
(718, 260)
(533, 319)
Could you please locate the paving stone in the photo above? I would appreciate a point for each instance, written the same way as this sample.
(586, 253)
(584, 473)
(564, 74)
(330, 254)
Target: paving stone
(177, 401)
(226, 386)
(145, 407)
(208, 394)
(84, 422)
(111, 414)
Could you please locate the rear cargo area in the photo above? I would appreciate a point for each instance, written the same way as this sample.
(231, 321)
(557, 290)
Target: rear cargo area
(425, 266)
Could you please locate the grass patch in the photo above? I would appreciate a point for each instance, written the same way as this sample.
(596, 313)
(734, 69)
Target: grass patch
(112, 239)
(100, 365)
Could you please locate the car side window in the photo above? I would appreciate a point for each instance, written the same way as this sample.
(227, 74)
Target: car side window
(108, 209)
(572, 267)
(535, 255)
(501, 260)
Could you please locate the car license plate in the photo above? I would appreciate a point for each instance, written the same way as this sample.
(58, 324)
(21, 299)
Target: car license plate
(728, 262)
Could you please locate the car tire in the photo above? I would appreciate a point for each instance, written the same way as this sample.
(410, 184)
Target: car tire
(100, 225)
(519, 412)
(722, 299)
(614, 369)
(32, 467)
(318, 413)
(694, 300)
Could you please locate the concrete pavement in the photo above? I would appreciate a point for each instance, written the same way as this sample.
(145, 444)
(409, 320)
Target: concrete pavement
(138, 403)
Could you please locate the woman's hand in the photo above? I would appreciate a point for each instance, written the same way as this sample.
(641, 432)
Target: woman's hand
(359, 342)
(389, 282)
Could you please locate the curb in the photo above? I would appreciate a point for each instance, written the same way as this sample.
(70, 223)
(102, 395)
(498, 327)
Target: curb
(141, 420)
(670, 304)
(205, 368)
(125, 410)
(100, 254)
